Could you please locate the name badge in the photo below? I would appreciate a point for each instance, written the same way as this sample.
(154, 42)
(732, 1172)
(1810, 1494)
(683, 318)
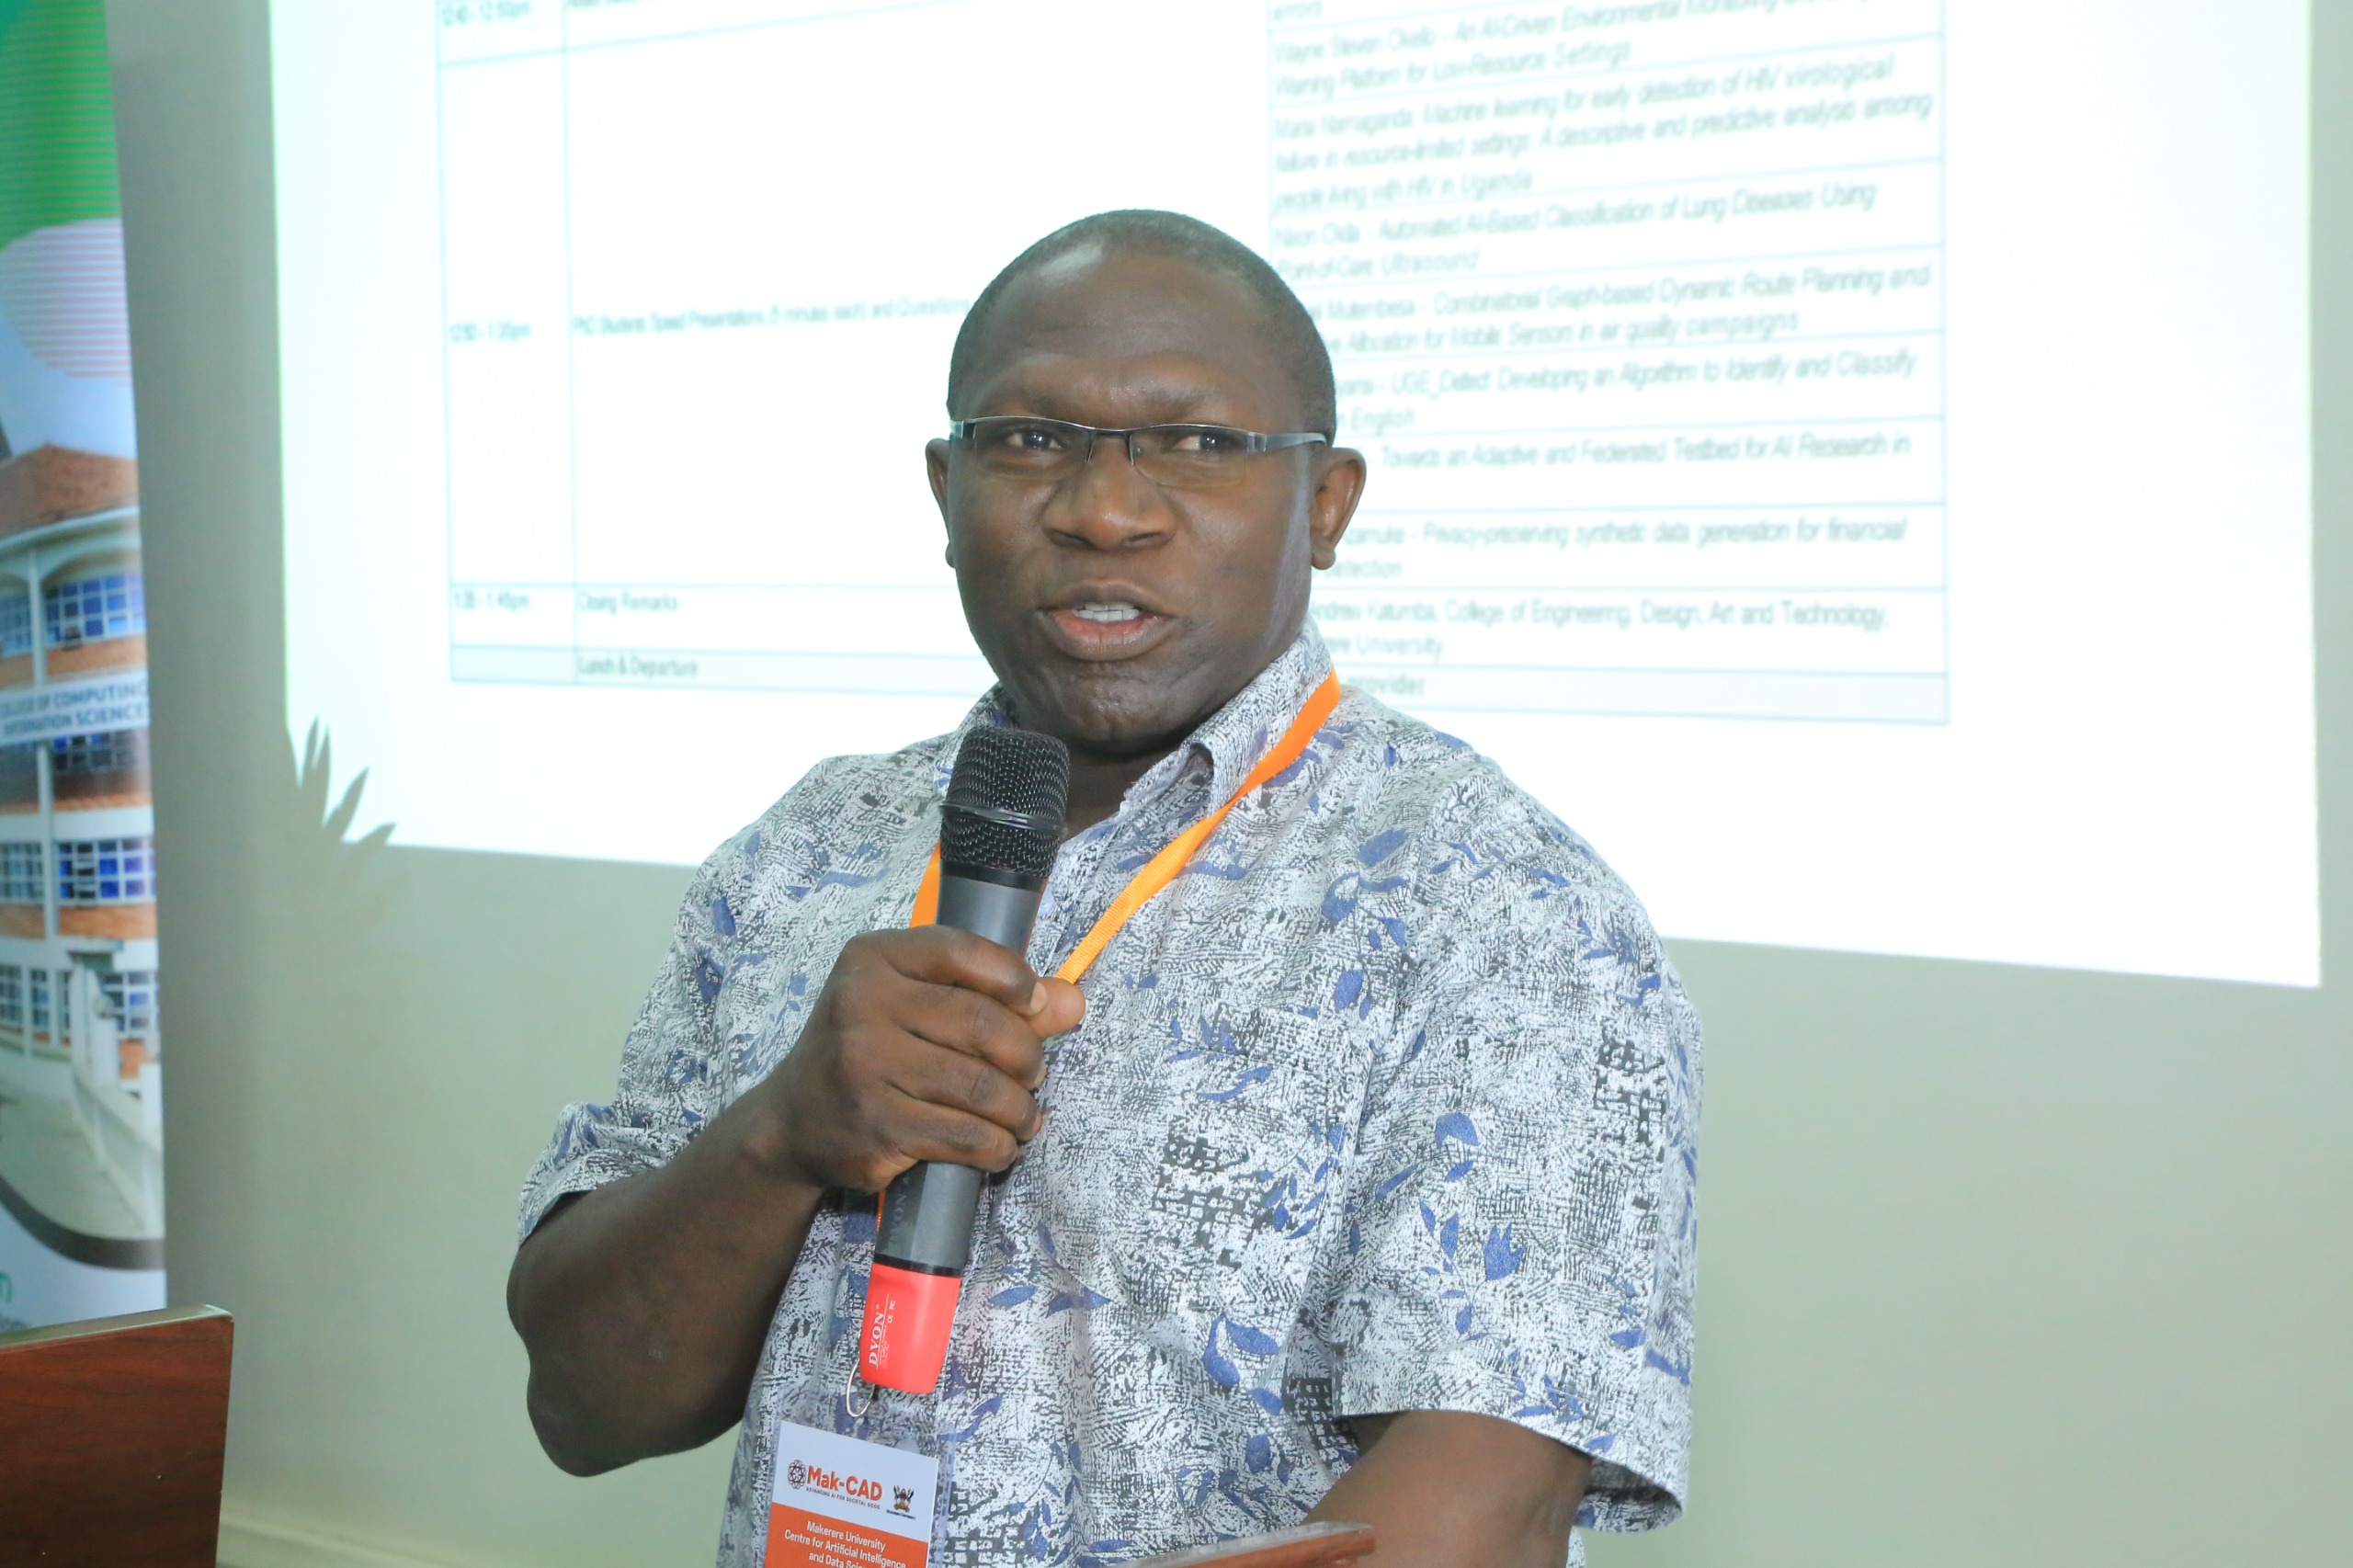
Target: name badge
(840, 1503)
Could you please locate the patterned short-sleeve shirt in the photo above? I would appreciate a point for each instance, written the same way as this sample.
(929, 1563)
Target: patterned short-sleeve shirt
(1389, 1103)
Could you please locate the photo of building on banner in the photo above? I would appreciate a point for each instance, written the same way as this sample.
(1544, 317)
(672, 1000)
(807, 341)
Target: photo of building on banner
(81, 1061)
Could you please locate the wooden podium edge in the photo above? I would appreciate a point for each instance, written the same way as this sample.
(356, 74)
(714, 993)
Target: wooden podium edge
(88, 1326)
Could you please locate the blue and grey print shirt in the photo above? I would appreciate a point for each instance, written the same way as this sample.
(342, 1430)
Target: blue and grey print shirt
(1389, 1103)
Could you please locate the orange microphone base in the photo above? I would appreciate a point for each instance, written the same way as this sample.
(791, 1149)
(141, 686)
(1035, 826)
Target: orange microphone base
(908, 1315)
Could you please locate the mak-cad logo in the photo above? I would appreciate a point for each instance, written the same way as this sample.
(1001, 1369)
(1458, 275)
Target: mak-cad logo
(801, 1475)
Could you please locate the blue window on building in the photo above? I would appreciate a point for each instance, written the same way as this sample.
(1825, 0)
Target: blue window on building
(109, 751)
(105, 871)
(12, 996)
(132, 995)
(15, 621)
(93, 608)
(20, 874)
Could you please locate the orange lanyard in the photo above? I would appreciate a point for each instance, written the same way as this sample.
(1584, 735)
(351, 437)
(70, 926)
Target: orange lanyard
(1163, 868)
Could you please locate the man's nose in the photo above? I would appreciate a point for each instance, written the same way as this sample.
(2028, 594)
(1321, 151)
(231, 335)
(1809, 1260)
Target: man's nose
(1109, 503)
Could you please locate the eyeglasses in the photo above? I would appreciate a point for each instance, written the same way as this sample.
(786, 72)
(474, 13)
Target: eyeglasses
(1180, 457)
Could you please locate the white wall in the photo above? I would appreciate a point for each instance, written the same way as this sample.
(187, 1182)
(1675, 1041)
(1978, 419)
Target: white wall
(2001, 1266)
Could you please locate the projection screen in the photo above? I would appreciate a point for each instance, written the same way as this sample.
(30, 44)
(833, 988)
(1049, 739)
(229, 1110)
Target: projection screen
(1850, 458)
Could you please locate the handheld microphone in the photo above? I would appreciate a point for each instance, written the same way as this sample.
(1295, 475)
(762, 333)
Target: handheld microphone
(998, 832)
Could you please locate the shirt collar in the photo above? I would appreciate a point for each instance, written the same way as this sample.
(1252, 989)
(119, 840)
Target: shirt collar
(1230, 740)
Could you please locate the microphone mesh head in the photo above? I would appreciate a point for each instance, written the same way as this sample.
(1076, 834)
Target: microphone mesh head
(1002, 772)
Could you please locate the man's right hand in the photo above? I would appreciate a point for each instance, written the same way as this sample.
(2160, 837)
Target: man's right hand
(925, 1044)
(644, 1304)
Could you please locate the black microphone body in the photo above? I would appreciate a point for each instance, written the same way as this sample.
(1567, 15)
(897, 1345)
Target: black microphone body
(928, 1211)
(999, 829)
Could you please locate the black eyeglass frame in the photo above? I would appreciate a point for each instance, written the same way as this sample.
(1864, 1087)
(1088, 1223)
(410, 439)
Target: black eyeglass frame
(965, 433)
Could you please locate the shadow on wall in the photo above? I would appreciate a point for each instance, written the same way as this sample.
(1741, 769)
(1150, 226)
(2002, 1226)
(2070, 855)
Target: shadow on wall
(297, 1126)
(346, 872)
(330, 973)
(391, 1031)
(334, 973)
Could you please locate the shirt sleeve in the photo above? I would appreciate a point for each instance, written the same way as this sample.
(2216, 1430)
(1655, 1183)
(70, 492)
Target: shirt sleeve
(666, 1092)
(1521, 1235)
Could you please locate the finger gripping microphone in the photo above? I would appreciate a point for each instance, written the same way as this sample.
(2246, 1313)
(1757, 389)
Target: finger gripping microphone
(998, 832)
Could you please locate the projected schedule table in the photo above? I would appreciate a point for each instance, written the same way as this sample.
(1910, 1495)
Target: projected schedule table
(1639, 318)
(628, 338)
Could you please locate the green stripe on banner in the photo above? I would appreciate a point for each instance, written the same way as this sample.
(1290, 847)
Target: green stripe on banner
(57, 161)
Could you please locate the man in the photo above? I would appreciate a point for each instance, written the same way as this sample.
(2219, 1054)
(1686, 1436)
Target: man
(1355, 1181)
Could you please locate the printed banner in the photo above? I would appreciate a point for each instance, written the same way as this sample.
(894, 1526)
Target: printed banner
(81, 1061)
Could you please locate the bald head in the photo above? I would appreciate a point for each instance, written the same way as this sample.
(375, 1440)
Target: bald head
(1286, 329)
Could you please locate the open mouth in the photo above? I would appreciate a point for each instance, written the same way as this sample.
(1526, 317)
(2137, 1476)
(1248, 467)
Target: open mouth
(1094, 627)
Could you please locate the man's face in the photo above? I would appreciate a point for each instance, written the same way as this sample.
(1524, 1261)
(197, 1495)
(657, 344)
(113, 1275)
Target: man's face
(1119, 614)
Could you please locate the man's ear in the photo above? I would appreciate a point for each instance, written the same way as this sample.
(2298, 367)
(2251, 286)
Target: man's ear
(935, 462)
(1339, 486)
